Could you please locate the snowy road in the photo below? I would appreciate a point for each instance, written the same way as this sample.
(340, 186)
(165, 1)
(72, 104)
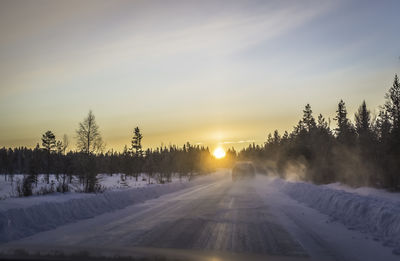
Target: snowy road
(249, 219)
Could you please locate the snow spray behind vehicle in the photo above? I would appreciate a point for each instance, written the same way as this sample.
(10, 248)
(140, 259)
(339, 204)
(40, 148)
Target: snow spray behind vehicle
(243, 170)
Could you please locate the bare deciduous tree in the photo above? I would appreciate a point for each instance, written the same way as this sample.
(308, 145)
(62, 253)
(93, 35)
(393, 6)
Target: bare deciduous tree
(88, 135)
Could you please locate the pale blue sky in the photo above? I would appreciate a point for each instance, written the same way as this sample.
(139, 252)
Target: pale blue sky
(199, 71)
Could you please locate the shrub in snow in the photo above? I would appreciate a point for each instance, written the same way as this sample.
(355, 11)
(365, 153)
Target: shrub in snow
(24, 188)
(62, 187)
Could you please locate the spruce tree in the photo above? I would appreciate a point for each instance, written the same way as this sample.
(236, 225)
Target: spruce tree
(392, 108)
(49, 141)
(49, 145)
(137, 151)
(363, 120)
(392, 104)
(137, 143)
(277, 137)
(322, 124)
(345, 132)
(308, 121)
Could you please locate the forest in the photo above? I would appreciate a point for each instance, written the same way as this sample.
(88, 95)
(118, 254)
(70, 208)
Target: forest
(365, 152)
(362, 152)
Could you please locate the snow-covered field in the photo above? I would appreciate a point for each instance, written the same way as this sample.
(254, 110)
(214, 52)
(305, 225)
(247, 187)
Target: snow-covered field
(117, 181)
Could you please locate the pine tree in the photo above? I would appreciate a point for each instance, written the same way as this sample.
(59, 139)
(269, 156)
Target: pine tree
(307, 123)
(59, 146)
(285, 137)
(392, 104)
(322, 124)
(383, 126)
(363, 120)
(137, 151)
(137, 143)
(270, 139)
(277, 137)
(49, 141)
(345, 132)
(392, 108)
(49, 145)
(367, 142)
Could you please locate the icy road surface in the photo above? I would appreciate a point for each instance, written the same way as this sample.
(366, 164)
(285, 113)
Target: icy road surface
(249, 219)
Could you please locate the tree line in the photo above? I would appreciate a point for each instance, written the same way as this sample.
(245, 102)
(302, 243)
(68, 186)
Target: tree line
(90, 159)
(363, 152)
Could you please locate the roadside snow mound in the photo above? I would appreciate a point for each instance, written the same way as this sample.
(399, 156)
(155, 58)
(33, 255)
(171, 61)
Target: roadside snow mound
(376, 216)
(22, 217)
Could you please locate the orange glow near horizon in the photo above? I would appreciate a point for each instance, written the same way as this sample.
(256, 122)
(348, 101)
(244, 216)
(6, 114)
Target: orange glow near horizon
(211, 73)
(219, 153)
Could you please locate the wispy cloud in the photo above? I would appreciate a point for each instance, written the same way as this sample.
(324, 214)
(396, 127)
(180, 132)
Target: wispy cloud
(237, 142)
(129, 43)
(186, 68)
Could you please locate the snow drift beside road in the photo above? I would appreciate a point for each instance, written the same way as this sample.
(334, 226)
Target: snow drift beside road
(375, 215)
(22, 217)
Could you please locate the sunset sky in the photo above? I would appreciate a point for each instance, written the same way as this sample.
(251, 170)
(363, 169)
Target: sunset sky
(207, 72)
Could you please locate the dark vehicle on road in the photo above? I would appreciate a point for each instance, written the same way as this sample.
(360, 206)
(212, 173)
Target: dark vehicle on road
(243, 170)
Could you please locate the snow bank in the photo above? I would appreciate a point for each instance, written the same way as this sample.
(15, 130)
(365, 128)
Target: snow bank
(367, 191)
(375, 215)
(21, 217)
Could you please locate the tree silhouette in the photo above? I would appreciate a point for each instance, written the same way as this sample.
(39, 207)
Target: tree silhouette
(345, 131)
(49, 141)
(392, 152)
(363, 120)
(392, 104)
(88, 135)
(366, 153)
(137, 143)
(49, 145)
(308, 121)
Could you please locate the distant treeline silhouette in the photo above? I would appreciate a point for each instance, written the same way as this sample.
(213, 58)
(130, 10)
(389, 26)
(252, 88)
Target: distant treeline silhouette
(366, 152)
(89, 160)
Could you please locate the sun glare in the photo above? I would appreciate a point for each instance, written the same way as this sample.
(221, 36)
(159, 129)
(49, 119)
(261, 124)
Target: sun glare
(219, 153)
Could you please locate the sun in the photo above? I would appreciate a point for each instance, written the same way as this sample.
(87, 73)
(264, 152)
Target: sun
(219, 153)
